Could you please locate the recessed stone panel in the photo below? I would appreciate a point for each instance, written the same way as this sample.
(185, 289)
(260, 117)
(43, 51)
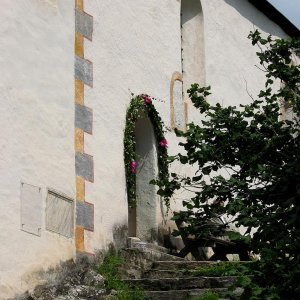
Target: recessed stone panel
(85, 215)
(84, 118)
(31, 209)
(84, 24)
(59, 214)
(84, 70)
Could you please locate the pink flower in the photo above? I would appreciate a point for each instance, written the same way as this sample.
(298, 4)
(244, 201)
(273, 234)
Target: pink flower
(133, 167)
(163, 143)
(147, 99)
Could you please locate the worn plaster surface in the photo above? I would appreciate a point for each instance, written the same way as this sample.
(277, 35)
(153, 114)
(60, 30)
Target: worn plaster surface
(37, 119)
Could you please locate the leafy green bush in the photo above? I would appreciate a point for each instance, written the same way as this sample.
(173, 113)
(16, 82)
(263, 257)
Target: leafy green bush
(224, 269)
(206, 296)
(109, 269)
(248, 160)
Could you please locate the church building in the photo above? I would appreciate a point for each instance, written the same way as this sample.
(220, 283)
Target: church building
(71, 72)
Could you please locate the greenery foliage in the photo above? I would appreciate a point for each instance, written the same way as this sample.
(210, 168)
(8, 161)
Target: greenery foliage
(225, 269)
(109, 269)
(141, 106)
(248, 161)
(206, 296)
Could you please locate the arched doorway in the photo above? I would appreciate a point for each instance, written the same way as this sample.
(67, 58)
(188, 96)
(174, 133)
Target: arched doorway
(145, 156)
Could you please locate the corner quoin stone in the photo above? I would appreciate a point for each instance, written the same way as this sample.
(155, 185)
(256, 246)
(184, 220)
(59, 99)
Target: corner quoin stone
(84, 118)
(84, 24)
(84, 70)
(85, 215)
(84, 166)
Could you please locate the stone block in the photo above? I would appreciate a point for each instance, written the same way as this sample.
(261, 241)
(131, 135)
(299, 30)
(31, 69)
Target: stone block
(85, 215)
(84, 24)
(84, 166)
(84, 118)
(84, 70)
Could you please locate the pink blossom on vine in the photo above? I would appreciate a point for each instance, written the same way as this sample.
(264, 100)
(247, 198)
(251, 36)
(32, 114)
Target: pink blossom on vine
(133, 167)
(163, 143)
(147, 99)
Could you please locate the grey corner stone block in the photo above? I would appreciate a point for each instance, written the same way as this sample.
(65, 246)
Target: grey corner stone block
(85, 215)
(84, 166)
(84, 118)
(84, 70)
(84, 24)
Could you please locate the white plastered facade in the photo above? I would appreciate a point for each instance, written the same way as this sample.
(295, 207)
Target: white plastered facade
(136, 47)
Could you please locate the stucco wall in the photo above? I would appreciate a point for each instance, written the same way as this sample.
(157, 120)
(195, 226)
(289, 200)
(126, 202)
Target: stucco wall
(230, 59)
(135, 48)
(37, 121)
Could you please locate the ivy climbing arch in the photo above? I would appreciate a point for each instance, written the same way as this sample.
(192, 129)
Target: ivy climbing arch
(139, 106)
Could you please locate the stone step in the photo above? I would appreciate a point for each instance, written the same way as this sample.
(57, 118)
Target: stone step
(180, 265)
(165, 284)
(158, 273)
(134, 242)
(153, 255)
(182, 294)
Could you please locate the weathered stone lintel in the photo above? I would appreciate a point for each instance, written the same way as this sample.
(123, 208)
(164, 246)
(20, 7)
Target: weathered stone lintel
(85, 215)
(84, 70)
(84, 166)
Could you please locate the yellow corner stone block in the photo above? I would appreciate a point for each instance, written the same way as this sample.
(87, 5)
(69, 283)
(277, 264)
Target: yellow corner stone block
(79, 4)
(79, 45)
(79, 92)
(80, 189)
(79, 238)
(79, 140)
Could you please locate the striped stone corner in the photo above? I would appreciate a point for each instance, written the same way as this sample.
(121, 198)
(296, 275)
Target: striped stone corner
(84, 24)
(84, 166)
(84, 70)
(84, 118)
(85, 215)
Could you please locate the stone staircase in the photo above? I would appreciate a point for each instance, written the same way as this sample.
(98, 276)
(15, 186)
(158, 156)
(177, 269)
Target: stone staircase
(168, 277)
(147, 266)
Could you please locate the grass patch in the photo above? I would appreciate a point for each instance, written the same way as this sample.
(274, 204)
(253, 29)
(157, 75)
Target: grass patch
(206, 296)
(224, 269)
(109, 269)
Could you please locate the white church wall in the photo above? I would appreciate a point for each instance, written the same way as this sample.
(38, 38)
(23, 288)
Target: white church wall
(135, 48)
(36, 145)
(230, 59)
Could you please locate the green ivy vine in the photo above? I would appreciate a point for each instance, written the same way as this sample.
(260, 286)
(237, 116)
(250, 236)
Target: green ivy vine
(142, 105)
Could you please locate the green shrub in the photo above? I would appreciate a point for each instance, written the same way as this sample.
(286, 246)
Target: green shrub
(109, 269)
(224, 269)
(206, 296)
